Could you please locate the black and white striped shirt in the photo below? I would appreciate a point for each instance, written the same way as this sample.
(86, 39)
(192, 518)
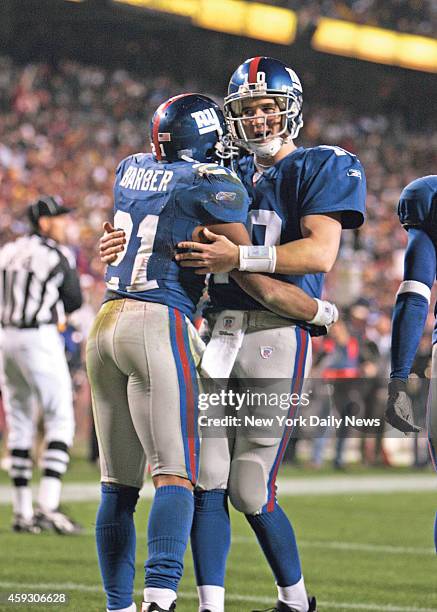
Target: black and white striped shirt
(38, 282)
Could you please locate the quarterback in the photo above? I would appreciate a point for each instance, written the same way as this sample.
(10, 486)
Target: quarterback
(301, 199)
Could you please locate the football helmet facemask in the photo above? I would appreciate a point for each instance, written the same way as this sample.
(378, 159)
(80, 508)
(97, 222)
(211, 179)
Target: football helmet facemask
(189, 126)
(264, 77)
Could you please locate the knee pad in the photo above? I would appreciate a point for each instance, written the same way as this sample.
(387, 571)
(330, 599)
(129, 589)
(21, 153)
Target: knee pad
(248, 484)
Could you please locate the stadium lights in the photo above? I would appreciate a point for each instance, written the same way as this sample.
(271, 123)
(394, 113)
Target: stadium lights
(375, 45)
(184, 8)
(251, 19)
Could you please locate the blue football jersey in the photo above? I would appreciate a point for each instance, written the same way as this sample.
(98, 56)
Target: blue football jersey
(318, 180)
(158, 205)
(417, 209)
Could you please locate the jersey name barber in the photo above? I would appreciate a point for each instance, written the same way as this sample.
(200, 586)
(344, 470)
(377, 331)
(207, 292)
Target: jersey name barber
(142, 179)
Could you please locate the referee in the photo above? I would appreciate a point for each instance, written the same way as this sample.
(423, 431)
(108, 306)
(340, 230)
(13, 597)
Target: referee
(38, 285)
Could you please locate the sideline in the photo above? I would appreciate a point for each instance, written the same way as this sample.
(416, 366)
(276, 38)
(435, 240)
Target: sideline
(316, 485)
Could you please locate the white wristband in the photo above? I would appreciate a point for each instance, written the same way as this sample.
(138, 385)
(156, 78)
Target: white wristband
(257, 259)
(326, 314)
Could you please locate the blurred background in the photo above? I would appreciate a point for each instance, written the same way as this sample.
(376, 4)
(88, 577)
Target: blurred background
(79, 81)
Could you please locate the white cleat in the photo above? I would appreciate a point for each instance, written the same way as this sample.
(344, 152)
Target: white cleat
(58, 522)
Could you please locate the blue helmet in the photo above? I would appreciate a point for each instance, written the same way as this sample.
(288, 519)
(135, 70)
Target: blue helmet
(264, 77)
(188, 126)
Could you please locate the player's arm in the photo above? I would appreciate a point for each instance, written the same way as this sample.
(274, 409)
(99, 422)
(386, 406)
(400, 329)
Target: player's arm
(275, 295)
(315, 252)
(69, 291)
(333, 191)
(285, 299)
(409, 318)
(412, 302)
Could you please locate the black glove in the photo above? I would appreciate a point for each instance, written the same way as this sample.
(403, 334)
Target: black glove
(399, 411)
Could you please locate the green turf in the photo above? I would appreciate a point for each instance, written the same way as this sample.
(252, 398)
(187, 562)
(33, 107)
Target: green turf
(81, 470)
(395, 567)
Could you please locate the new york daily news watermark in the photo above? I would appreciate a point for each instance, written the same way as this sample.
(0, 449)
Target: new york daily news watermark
(264, 408)
(242, 401)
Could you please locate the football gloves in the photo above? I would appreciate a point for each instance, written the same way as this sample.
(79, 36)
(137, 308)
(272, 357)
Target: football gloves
(399, 411)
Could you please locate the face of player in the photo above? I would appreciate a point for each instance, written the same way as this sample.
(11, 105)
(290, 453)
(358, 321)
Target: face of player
(260, 119)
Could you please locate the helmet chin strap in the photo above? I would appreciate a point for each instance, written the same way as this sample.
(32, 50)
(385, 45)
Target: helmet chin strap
(266, 149)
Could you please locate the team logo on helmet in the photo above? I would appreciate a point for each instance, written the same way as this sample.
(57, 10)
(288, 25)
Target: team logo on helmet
(207, 120)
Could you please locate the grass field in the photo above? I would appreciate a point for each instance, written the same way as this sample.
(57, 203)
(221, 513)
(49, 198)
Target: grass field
(360, 552)
(81, 470)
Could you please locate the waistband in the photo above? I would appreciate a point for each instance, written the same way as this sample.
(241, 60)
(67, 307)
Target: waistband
(256, 318)
(128, 305)
(124, 305)
(266, 319)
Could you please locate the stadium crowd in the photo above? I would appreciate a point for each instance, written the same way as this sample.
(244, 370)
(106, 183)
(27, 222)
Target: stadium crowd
(64, 130)
(412, 16)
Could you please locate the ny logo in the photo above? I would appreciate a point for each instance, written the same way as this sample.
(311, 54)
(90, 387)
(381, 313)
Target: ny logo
(207, 120)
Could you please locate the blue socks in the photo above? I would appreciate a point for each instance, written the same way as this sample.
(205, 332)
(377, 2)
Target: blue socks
(169, 528)
(210, 536)
(115, 539)
(276, 537)
(168, 532)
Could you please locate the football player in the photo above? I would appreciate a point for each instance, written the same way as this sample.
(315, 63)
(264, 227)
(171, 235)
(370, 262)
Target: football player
(417, 213)
(301, 199)
(143, 349)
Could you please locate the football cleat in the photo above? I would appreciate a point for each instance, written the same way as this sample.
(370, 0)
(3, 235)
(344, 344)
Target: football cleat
(282, 607)
(58, 522)
(22, 525)
(153, 607)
